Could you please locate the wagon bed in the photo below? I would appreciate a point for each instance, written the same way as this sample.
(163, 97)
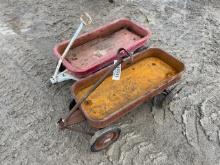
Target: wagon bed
(151, 72)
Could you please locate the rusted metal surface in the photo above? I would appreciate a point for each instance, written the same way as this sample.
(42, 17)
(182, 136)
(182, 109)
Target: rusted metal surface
(134, 81)
(76, 117)
(153, 52)
(97, 49)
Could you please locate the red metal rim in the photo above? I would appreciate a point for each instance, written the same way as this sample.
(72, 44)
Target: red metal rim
(105, 140)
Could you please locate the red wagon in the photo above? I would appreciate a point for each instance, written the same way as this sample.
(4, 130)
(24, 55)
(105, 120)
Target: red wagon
(97, 49)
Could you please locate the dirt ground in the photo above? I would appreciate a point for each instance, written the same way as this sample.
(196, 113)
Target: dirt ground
(185, 131)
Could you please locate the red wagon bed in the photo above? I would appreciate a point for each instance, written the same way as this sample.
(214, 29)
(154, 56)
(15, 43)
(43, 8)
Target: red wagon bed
(97, 49)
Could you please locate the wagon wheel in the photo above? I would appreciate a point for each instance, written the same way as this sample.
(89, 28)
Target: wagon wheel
(158, 100)
(104, 138)
(62, 68)
(167, 95)
(72, 104)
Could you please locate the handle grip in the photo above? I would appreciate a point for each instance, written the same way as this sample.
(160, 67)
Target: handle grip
(86, 19)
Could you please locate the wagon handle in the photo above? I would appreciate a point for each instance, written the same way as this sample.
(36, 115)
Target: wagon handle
(63, 123)
(86, 19)
(124, 50)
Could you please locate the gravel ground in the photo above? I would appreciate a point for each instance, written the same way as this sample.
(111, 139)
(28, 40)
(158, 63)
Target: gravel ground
(185, 131)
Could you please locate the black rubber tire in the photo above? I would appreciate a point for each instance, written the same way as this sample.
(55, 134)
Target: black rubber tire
(158, 100)
(111, 1)
(112, 133)
(62, 68)
(72, 104)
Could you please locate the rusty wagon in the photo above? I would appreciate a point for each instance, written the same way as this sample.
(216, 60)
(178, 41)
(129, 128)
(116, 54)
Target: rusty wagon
(147, 76)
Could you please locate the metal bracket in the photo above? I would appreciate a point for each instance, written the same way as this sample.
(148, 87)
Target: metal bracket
(62, 76)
